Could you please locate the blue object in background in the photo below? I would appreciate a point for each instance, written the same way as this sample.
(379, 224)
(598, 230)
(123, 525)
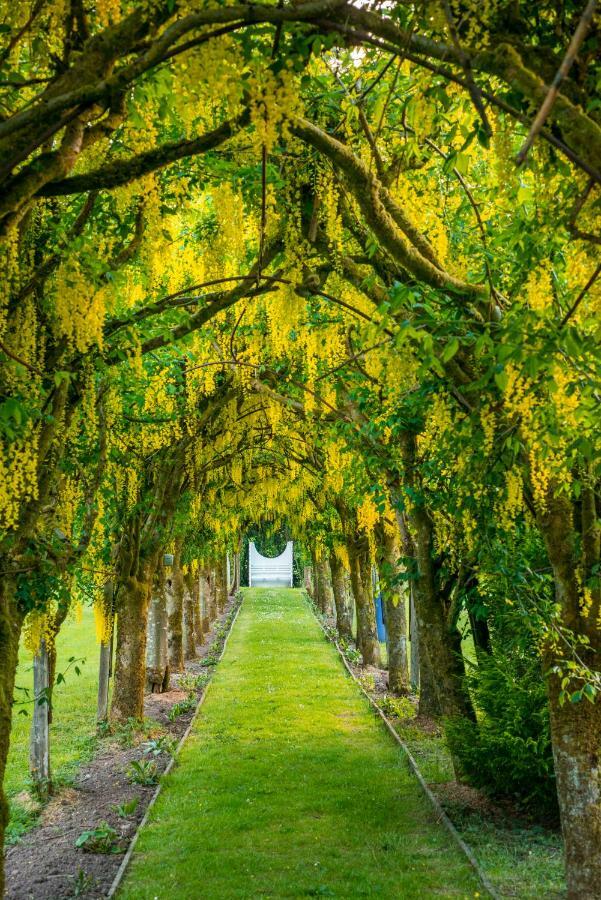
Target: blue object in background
(380, 619)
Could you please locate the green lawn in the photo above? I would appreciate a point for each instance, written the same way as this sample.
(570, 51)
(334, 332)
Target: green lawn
(72, 732)
(288, 786)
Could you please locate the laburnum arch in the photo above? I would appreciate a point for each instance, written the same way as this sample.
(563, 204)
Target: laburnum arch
(287, 252)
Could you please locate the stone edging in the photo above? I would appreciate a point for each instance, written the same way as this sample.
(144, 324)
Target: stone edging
(126, 859)
(435, 802)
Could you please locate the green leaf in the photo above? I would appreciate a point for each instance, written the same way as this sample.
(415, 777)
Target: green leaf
(450, 350)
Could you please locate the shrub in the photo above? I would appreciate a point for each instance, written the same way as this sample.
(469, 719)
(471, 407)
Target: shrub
(397, 707)
(507, 752)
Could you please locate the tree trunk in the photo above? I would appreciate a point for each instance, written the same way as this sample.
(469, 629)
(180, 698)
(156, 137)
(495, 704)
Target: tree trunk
(130, 658)
(236, 586)
(308, 581)
(367, 635)
(439, 639)
(396, 629)
(395, 604)
(576, 727)
(39, 740)
(342, 600)
(429, 704)
(576, 733)
(221, 585)
(190, 583)
(325, 596)
(175, 618)
(11, 622)
(157, 657)
(206, 596)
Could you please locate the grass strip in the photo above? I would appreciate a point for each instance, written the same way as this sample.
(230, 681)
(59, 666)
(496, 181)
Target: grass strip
(288, 786)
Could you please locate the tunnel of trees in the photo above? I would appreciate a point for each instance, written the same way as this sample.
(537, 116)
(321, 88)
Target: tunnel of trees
(329, 267)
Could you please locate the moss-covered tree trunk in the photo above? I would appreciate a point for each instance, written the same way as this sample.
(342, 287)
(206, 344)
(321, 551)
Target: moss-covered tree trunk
(439, 636)
(190, 583)
(308, 581)
(342, 598)
(207, 598)
(576, 726)
(324, 594)
(130, 653)
(361, 581)
(221, 585)
(175, 617)
(11, 622)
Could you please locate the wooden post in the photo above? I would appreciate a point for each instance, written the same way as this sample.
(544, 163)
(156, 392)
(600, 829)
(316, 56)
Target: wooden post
(39, 745)
(414, 637)
(104, 674)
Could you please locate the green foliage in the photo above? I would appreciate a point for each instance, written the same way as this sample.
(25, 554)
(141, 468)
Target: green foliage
(189, 682)
(156, 746)
(102, 839)
(182, 707)
(507, 753)
(397, 707)
(127, 808)
(143, 771)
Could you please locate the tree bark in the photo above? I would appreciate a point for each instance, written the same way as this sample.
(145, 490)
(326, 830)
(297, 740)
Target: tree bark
(221, 585)
(576, 734)
(367, 636)
(342, 600)
(157, 657)
(206, 594)
(175, 618)
(395, 600)
(429, 704)
(324, 593)
(130, 658)
(308, 581)
(576, 727)
(11, 623)
(190, 583)
(439, 637)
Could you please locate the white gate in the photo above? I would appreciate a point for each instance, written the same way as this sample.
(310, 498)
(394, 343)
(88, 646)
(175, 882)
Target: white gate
(265, 571)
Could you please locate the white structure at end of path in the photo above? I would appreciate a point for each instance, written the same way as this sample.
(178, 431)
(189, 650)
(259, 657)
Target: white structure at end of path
(265, 571)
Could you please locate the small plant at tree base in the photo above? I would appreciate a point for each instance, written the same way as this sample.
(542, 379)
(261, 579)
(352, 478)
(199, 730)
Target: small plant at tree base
(211, 659)
(82, 884)
(127, 808)
(127, 732)
(398, 707)
(103, 729)
(102, 839)
(194, 682)
(368, 682)
(353, 656)
(182, 707)
(156, 746)
(143, 772)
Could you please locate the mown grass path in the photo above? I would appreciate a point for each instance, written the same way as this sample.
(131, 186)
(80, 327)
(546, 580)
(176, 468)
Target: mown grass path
(288, 786)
